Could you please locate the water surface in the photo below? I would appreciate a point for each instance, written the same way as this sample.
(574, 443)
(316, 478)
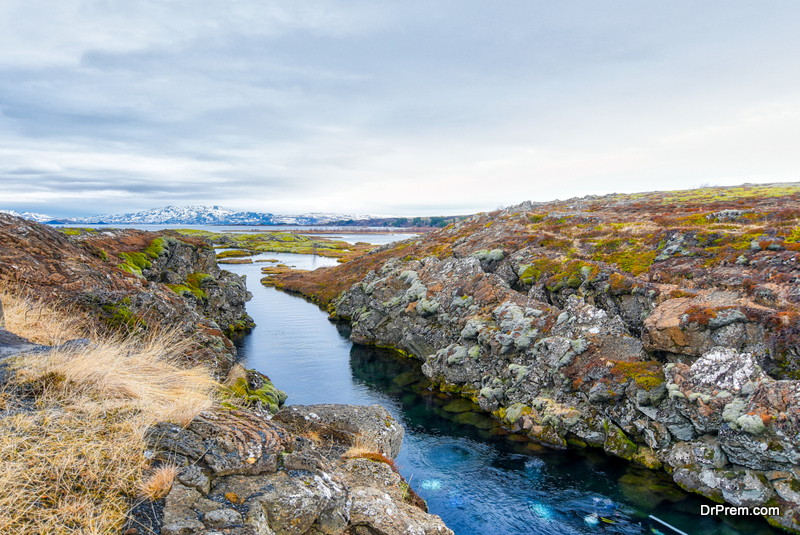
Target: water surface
(476, 477)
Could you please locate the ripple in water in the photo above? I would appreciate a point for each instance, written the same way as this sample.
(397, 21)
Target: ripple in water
(457, 454)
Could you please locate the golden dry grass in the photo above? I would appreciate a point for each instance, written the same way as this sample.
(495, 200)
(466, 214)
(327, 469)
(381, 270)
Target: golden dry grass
(159, 483)
(362, 445)
(72, 450)
(39, 322)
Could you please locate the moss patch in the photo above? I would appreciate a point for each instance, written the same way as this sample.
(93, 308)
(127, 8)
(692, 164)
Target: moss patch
(256, 388)
(134, 263)
(119, 316)
(647, 375)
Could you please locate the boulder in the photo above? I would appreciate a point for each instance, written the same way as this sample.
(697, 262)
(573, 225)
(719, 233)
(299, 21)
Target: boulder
(350, 424)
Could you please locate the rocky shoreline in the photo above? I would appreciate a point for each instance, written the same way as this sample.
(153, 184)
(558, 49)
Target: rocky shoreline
(585, 324)
(246, 466)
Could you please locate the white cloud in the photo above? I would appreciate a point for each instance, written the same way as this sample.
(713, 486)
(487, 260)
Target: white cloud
(371, 107)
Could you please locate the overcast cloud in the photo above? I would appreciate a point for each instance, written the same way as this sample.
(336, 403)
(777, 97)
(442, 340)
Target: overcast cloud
(388, 107)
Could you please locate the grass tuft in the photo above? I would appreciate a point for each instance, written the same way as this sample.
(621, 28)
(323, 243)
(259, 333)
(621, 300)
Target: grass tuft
(159, 483)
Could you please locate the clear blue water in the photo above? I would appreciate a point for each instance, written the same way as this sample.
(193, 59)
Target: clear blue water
(479, 479)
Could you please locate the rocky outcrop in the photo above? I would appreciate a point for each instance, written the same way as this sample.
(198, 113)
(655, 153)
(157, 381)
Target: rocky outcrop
(248, 475)
(184, 264)
(666, 334)
(129, 281)
(577, 376)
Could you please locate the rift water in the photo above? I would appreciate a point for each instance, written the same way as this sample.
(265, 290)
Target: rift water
(473, 474)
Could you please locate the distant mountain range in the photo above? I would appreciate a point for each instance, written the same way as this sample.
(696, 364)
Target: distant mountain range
(195, 215)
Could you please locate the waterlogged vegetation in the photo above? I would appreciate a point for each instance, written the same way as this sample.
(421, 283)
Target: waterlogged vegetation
(247, 244)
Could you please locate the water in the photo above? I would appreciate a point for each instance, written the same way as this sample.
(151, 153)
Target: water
(473, 475)
(347, 234)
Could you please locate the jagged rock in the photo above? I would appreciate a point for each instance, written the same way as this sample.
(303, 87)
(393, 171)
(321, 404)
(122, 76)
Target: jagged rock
(228, 441)
(693, 326)
(245, 474)
(578, 373)
(347, 423)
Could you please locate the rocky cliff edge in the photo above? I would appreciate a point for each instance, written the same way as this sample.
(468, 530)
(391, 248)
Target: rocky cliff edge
(660, 327)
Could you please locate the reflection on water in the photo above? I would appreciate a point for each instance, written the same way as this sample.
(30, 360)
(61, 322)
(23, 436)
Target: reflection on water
(473, 474)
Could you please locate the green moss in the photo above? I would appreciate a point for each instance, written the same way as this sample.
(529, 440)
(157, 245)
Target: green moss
(647, 375)
(233, 253)
(195, 280)
(119, 315)
(530, 273)
(103, 255)
(266, 394)
(570, 275)
(134, 263)
(133, 270)
(617, 442)
(157, 248)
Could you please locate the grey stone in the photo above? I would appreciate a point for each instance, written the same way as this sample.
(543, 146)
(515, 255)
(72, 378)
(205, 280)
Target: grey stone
(222, 518)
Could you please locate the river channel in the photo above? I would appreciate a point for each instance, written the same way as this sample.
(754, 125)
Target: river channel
(478, 478)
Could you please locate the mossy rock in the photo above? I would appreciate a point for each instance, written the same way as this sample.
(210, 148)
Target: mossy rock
(475, 419)
(515, 411)
(254, 389)
(617, 442)
(461, 405)
(159, 247)
(119, 316)
(645, 457)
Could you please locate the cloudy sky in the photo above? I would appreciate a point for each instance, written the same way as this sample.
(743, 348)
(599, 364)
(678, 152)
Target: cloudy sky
(398, 107)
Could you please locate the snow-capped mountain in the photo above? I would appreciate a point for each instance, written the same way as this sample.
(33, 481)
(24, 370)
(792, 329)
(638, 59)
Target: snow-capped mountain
(32, 216)
(196, 215)
(182, 215)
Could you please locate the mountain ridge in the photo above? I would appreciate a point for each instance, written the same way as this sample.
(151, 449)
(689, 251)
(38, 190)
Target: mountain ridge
(195, 215)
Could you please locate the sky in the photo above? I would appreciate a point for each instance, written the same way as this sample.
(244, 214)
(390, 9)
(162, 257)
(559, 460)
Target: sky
(398, 107)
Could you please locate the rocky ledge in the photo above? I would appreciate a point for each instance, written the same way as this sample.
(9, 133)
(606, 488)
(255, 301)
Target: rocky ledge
(660, 327)
(129, 280)
(244, 474)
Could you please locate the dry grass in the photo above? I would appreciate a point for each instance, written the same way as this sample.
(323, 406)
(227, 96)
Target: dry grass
(72, 450)
(363, 445)
(159, 483)
(39, 322)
